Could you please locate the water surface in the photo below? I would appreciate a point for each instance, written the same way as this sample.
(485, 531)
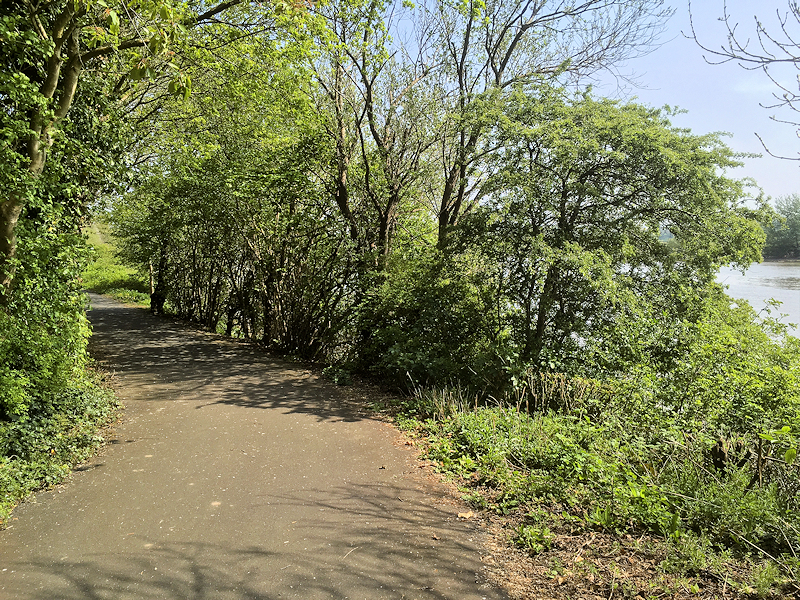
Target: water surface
(779, 280)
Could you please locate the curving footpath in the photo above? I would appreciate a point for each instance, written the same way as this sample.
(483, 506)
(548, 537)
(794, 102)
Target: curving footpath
(236, 476)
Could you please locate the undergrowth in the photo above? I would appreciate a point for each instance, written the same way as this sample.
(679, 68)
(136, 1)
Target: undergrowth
(51, 402)
(39, 450)
(595, 464)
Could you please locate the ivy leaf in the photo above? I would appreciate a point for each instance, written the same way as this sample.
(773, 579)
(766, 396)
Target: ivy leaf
(790, 456)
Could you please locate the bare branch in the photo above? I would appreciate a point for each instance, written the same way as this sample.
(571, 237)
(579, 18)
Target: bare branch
(106, 50)
(768, 50)
(206, 16)
(768, 151)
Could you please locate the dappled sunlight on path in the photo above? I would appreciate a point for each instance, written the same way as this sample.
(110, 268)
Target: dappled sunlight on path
(236, 476)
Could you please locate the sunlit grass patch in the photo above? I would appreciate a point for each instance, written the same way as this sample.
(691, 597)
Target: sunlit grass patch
(107, 275)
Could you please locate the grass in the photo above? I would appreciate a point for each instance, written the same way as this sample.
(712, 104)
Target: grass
(107, 275)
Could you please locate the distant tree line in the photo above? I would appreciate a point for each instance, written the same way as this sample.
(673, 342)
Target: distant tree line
(783, 231)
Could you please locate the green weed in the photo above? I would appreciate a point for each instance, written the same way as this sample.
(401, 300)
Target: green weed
(615, 472)
(535, 539)
(40, 450)
(765, 577)
(476, 499)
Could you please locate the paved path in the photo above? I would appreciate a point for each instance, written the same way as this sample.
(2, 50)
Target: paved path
(235, 476)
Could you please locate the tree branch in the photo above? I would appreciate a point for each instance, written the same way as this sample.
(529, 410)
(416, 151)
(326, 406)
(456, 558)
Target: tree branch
(105, 50)
(223, 6)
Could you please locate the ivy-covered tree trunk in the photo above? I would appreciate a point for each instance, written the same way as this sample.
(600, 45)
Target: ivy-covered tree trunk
(62, 68)
(45, 47)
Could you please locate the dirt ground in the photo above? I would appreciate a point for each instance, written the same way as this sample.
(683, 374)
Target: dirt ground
(233, 475)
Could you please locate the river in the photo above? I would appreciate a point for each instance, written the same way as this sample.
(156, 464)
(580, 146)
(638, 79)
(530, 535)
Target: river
(779, 280)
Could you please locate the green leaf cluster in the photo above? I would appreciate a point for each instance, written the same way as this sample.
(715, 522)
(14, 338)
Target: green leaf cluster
(783, 230)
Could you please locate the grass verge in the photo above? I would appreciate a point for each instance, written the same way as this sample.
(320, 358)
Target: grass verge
(107, 275)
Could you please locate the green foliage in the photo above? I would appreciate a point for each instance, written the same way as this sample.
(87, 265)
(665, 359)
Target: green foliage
(424, 324)
(562, 268)
(106, 274)
(50, 406)
(765, 576)
(40, 450)
(733, 376)
(635, 454)
(20, 50)
(236, 235)
(689, 554)
(569, 232)
(44, 330)
(534, 539)
(338, 375)
(783, 232)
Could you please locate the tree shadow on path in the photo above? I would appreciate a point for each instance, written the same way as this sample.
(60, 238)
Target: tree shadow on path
(349, 548)
(237, 476)
(178, 359)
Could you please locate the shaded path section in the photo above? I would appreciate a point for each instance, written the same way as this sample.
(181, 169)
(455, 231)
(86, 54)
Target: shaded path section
(235, 476)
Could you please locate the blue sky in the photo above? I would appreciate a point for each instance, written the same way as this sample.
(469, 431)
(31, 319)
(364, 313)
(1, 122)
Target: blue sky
(721, 97)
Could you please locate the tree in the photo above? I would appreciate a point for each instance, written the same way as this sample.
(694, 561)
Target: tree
(487, 47)
(772, 49)
(422, 96)
(47, 48)
(783, 234)
(561, 266)
(376, 99)
(229, 213)
(43, 328)
(572, 215)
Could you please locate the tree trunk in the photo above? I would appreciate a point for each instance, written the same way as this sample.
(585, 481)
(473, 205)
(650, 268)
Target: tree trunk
(10, 210)
(455, 186)
(534, 342)
(62, 85)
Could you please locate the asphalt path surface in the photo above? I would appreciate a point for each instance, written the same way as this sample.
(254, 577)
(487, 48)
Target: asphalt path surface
(234, 475)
